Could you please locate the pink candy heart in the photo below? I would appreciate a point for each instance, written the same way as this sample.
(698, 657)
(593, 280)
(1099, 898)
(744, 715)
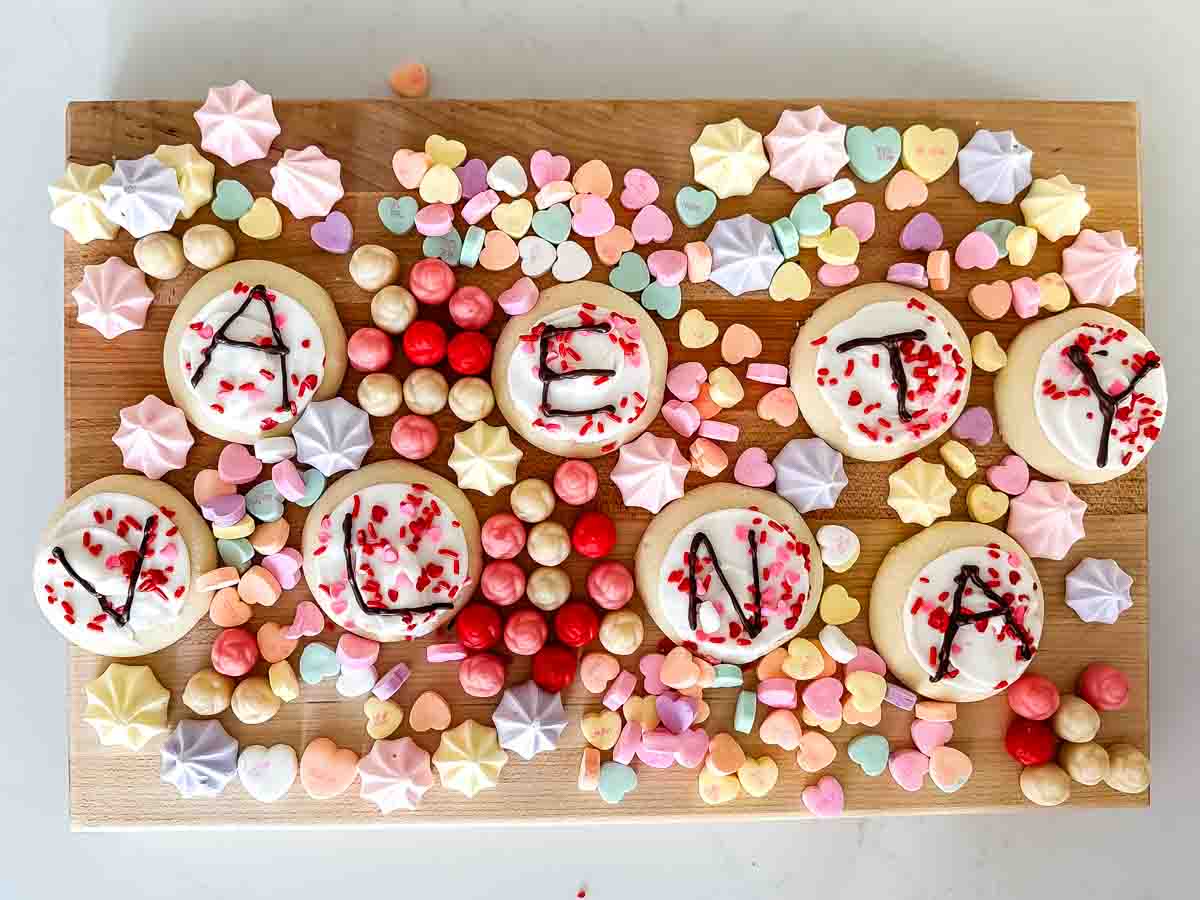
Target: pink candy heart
(1011, 475)
(1026, 297)
(640, 189)
(307, 621)
(929, 735)
(976, 251)
(545, 167)
(479, 206)
(823, 698)
(923, 232)
(472, 175)
(651, 666)
(974, 425)
(651, 225)
(824, 799)
(334, 234)
(655, 759)
(859, 217)
(693, 747)
(685, 379)
(669, 267)
(676, 712)
(593, 216)
(908, 767)
(435, 219)
(753, 469)
(355, 652)
(837, 276)
(237, 465)
(907, 273)
(287, 480)
(285, 566)
(867, 660)
(520, 298)
(681, 416)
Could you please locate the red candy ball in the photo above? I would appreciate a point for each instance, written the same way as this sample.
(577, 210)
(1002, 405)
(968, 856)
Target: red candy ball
(370, 350)
(469, 353)
(431, 281)
(576, 624)
(554, 667)
(478, 626)
(1104, 686)
(471, 308)
(594, 535)
(234, 652)
(424, 343)
(1030, 743)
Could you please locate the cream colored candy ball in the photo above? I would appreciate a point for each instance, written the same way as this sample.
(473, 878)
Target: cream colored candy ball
(380, 394)
(208, 246)
(393, 309)
(548, 588)
(1128, 769)
(532, 499)
(1085, 763)
(1076, 720)
(208, 692)
(1046, 784)
(159, 255)
(425, 391)
(622, 632)
(471, 399)
(548, 543)
(373, 267)
(254, 702)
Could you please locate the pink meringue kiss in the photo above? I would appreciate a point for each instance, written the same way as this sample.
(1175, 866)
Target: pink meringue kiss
(153, 437)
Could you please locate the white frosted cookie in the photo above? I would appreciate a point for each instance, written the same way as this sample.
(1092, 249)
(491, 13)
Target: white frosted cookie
(1047, 407)
(914, 617)
(845, 364)
(608, 366)
(740, 539)
(115, 567)
(224, 353)
(412, 540)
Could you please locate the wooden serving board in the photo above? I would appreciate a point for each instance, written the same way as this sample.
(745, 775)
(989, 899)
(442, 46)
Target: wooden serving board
(1095, 144)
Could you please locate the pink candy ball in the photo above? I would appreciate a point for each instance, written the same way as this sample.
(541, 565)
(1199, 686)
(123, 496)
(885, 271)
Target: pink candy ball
(234, 652)
(414, 437)
(481, 675)
(471, 307)
(502, 582)
(503, 536)
(575, 482)
(1104, 686)
(525, 632)
(610, 585)
(370, 350)
(1033, 697)
(431, 281)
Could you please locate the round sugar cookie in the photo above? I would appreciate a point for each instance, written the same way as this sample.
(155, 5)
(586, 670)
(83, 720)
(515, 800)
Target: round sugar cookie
(96, 544)
(845, 360)
(717, 525)
(928, 567)
(1046, 405)
(413, 543)
(600, 330)
(240, 392)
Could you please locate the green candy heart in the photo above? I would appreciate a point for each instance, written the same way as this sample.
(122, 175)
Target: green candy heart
(630, 273)
(870, 751)
(873, 153)
(318, 662)
(809, 216)
(446, 247)
(694, 207)
(472, 246)
(998, 230)
(727, 675)
(398, 215)
(616, 780)
(787, 238)
(553, 223)
(236, 553)
(232, 200)
(666, 301)
(314, 487)
(264, 502)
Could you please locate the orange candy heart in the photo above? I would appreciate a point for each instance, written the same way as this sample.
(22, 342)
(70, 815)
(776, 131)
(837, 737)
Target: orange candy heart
(852, 715)
(815, 751)
(326, 769)
(724, 755)
(593, 177)
(641, 710)
(596, 670)
(781, 729)
(499, 252)
(679, 670)
(228, 610)
(273, 644)
(430, 711)
(771, 665)
(614, 242)
(905, 191)
(778, 405)
(740, 343)
(992, 301)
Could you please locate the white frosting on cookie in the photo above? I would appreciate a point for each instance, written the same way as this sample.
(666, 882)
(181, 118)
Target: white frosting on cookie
(243, 386)
(1071, 417)
(985, 656)
(858, 384)
(100, 539)
(408, 551)
(620, 349)
(783, 563)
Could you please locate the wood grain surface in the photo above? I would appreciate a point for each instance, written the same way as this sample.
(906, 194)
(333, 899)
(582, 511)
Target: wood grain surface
(1095, 144)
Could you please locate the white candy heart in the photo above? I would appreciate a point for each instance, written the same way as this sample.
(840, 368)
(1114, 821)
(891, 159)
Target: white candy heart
(839, 546)
(573, 262)
(837, 644)
(537, 255)
(356, 682)
(507, 176)
(275, 449)
(836, 191)
(267, 772)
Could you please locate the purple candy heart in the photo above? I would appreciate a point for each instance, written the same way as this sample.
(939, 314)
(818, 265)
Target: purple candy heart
(334, 234)
(676, 712)
(974, 425)
(473, 176)
(224, 510)
(923, 232)
(911, 274)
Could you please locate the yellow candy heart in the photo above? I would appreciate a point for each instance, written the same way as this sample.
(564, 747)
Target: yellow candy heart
(601, 729)
(959, 458)
(827, 725)
(852, 716)
(1020, 244)
(838, 607)
(866, 690)
(641, 710)
(987, 353)
(283, 681)
(441, 185)
(1055, 293)
(804, 661)
(243, 528)
(262, 221)
(695, 331)
(986, 505)
(444, 152)
(839, 247)
(513, 218)
(724, 389)
(812, 241)
(717, 789)
(383, 717)
(790, 282)
(929, 154)
(758, 776)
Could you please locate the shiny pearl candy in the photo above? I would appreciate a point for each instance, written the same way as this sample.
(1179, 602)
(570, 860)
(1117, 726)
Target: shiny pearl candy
(548, 588)
(373, 267)
(254, 702)
(370, 350)
(380, 394)
(622, 632)
(159, 255)
(471, 399)
(208, 693)
(393, 309)
(208, 246)
(425, 391)
(532, 499)
(548, 544)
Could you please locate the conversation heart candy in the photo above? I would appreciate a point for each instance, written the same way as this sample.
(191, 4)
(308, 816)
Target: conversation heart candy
(1011, 475)
(318, 662)
(695, 331)
(552, 224)
(908, 768)
(837, 606)
(778, 405)
(232, 200)
(824, 799)
(1021, 243)
(870, 751)
(641, 189)
(790, 282)
(507, 176)
(839, 248)
(923, 232)
(326, 770)
(859, 217)
(725, 755)
(669, 267)
(949, 768)
(334, 233)
(410, 166)
(262, 221)
(824, 697)
(866, 689)
(928, 736)
(987, 353)
(682, 416)
(616, 780)
(984, 504)
(545, 167)
(873, 153)
(684, 380)
(753, 468)
(662, 299)
(651, 225)
(601, 729)
(630, 274)
(740, 343)
(1026, 297)
(976, 251)
(758, 776)
(991, 301)
(267, 773)
(611, 245)
(837, 276)
(974, 425)
(695, 206)
(429, 712)
(904, 190)
(593, 177)
(911, 274)
(814, 752)
(307, 621)
(572, 263)
(929, 153)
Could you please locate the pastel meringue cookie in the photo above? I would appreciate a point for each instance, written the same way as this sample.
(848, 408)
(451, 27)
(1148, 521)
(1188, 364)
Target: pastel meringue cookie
(809, 474)
(127, 706)
(728, 158)
(469, 758)
(1047, 519)
(112, 298)
(142, 196)
(529, 720)
(78, 205)
(807, 149)
(424, 551)
(237, 123)
(85, 558)
(745, 255)
(994, 166)
(1100, 268)
(484, 458)
(709, 543)
(845, 360)
(333, 436)
(1055, 207)
(153, 438)
(1099, 590)
(650, 472)
(395, 775)
(920, 492)
(586, 416)
(913, 611)
(199, 758)
(307, 182)
(193, 173)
